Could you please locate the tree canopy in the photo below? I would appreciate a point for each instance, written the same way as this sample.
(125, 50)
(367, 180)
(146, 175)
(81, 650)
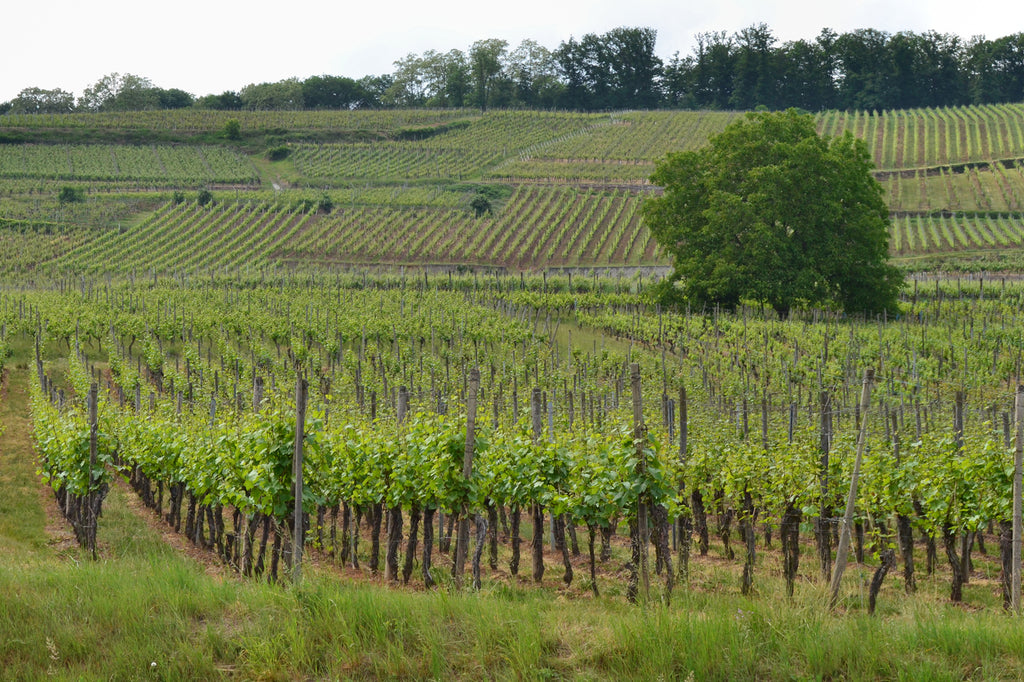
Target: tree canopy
(864, 69)
(770, 211)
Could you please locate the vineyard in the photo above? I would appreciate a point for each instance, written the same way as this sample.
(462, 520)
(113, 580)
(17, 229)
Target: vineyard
(465, 400)
(170, 166)
(399, 187)
(557, 225)
(428, 311)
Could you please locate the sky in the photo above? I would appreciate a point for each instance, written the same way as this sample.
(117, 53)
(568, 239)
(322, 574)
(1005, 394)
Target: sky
(209, 46)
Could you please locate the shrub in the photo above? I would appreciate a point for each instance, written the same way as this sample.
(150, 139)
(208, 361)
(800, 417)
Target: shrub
(278, 153)
(71, 195)
(233, 129)
(481, 205)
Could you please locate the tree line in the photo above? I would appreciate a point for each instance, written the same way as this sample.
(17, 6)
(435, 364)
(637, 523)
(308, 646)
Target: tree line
(865, 69)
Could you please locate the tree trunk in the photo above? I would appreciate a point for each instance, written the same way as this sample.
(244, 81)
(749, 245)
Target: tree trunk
(1006, 562)
(356, 522)
(633, 586)
(789, 531)
(949, 541)
(684, 525)
(516, 514)
(260, 566)
(537, 543)
(346, 532)
(574, 544)
(591, 531)
(606, 541)
(931, 553)
(428, 545)
(481, 537)
(700, 522)
(378, 515)
(725, 526)
(492, 535)
(394, 536)
(659, 516)
(275, 554)
(748, 520)
(906, 539)
(410, 549)
(560, 540)
(888, 558)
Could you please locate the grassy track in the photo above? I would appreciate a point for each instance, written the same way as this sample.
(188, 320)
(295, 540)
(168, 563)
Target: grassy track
(22, 520)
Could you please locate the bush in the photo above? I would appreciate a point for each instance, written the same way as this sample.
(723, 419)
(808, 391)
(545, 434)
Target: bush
(178, 197)
(481, 205)
(203, 197)
(71, 195)
(233, 129)
(278, 153)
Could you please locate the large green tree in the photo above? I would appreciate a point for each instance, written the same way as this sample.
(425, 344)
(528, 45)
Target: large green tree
(771, 212)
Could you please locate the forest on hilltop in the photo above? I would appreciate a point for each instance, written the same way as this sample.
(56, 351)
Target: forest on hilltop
(865, 69)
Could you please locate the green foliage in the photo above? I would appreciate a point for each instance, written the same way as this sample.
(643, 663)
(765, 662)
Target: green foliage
(325, 204)
(203, 197)
(71, 195)
(772, 212)
(40, 101)
(233, 129)
(481, 205)
(278, 153)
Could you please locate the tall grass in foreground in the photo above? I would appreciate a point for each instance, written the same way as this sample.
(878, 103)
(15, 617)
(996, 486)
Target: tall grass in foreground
(75, 619)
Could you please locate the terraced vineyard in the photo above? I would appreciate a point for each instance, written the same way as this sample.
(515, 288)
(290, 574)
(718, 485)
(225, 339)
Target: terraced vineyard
(919, 138)
(192, 121)
(161, 165)
(991, 187)
(560, 226)
(398, 186)
(622, 148)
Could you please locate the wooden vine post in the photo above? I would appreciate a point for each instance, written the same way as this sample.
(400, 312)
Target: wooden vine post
(536, 510)
(823, 532)
(844, 532)
(39, 366)
(462, 544)
(1018, 465)
(90, 500)
(639, 437)
(685, 520)
(301, 388)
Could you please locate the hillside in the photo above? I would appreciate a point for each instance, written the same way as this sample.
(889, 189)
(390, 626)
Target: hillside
(398, 187)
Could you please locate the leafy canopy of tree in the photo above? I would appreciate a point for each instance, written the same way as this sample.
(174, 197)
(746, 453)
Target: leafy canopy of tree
(71, 195)
(865, 69)
(128, 92)
(770, 211)
(40, 101)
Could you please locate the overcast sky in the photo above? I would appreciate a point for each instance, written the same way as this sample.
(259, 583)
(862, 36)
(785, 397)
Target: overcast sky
(208, 46)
